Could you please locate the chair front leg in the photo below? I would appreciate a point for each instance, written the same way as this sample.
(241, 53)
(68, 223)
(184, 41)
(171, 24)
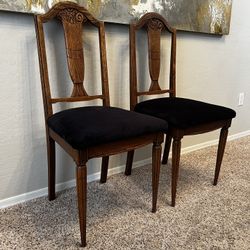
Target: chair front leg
(104, 170)
(166, 149)
(81, 183)
(220, 153)
(51, 168)
(129, 163)
(156, 166)
(176, 152)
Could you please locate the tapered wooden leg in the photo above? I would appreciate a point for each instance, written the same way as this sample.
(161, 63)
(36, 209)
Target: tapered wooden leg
(220, 152)
(51, 168)
(81, 183)
(166, 149)
(104, 171)
(176, 151)
(129, 163)
(156, 165)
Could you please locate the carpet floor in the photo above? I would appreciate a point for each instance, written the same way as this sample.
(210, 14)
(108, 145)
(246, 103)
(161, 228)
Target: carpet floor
(119, 217)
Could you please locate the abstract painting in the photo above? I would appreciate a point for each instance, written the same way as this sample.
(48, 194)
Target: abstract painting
(208, 16)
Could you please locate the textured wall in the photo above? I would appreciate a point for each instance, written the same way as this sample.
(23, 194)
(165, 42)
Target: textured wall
(210, 68)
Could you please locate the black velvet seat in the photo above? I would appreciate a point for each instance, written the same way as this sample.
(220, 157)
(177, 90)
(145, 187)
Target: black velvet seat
(95, 125)
(184, 113)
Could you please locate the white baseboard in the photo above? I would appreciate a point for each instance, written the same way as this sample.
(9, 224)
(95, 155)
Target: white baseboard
(65, 185)
(96, 176)
(239, 135)
(213, 142)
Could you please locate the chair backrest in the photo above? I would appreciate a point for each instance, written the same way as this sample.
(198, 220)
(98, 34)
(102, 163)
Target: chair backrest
(155, 24)
(72, 18)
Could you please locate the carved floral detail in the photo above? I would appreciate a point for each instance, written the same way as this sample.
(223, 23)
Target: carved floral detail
(71, 16)
(155, 24)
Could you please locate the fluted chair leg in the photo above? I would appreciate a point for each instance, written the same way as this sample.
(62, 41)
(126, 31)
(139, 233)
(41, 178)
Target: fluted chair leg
(81, 183)
(175, 167)
(156, 165)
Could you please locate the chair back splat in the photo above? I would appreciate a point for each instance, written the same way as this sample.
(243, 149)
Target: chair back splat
(73, 20)
(154, 24)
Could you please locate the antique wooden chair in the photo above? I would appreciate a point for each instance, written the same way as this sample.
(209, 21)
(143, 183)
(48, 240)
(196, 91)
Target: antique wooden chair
(184, 116)
(90, 131)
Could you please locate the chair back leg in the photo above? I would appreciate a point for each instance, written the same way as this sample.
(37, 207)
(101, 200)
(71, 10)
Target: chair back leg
(220, 152)
(129, 163)
(166, 149)
(51, 168)
(104, 169)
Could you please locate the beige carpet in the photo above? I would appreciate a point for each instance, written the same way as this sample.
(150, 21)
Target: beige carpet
(119, 217)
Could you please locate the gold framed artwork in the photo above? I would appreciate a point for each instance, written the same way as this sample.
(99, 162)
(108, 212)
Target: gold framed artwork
(207, 16)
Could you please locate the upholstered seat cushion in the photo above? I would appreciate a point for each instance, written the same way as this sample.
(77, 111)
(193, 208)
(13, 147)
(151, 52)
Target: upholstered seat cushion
(184, 113)
(90, 126)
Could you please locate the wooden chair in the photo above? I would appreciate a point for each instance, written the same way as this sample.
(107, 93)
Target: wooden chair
(90, 131)
(184, 116)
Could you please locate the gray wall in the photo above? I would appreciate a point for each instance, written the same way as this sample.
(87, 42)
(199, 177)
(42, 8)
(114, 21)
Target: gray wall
(209, 68)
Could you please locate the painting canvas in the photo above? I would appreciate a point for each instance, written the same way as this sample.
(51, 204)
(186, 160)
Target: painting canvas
(208, 16)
